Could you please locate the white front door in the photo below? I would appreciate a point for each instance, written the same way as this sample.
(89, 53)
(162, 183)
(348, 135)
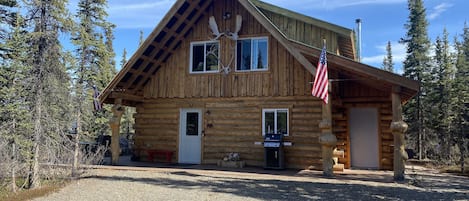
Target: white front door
(364, 149)
(190, 133)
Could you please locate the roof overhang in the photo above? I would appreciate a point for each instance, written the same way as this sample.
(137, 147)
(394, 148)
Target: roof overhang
(409, 87)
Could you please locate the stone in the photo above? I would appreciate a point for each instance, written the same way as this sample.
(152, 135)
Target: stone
(231, 164)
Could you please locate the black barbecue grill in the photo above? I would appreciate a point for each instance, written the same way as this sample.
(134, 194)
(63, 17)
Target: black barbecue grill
(273, 147)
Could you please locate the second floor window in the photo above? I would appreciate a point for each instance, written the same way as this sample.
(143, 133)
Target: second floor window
(204, 57)
(252, 54)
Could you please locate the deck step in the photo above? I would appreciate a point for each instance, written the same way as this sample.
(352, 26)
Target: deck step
(338, 167)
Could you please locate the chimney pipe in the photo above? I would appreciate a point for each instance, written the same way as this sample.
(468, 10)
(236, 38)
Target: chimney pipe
(359, 39)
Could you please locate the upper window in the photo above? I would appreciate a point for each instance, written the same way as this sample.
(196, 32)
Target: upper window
(251, 54)
(204, 57)
(275, 121)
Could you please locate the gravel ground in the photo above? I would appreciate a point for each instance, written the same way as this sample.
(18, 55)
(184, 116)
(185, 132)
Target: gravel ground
(256, 184)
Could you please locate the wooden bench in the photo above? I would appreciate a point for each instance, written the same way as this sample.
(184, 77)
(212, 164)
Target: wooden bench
(152, 153)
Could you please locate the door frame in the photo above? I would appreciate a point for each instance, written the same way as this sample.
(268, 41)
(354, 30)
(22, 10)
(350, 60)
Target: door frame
(182, 124)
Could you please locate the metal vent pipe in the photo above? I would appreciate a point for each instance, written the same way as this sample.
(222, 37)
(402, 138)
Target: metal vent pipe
(359, 39)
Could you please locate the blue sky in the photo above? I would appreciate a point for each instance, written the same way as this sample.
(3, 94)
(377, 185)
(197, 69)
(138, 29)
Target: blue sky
(383, 20)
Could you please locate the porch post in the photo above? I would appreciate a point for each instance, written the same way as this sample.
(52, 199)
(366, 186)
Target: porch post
(115, 122)
(327, 139)
(398, 128)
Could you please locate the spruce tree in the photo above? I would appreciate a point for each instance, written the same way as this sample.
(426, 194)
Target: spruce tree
(95, 55)
(416, 66)
(47, 80)
(15, 118)
(439, 97)
(127, 118)
(8, 18)
(460, 125)
(140, 39)
(388, 64)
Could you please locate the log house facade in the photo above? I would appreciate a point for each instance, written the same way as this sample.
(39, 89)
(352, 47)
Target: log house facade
(162, 81)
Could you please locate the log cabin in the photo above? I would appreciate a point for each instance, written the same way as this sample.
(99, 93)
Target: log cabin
(214, 76)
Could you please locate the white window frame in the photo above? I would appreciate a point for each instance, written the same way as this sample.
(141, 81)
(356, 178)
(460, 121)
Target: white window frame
(205, 57)
(252, 45)
(275, 119)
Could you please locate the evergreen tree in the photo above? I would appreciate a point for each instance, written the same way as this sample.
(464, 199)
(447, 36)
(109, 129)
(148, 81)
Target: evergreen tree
(93, 39)
(47, 80)
(7, 19)
(460, 125)
(141, 40)
(388, 64)
(124, 58)
(439, 97)
(416, 66)
(127, 118)
(15, 118)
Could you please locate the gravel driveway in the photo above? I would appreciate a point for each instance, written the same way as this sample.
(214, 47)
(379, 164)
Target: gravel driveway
(256, 184)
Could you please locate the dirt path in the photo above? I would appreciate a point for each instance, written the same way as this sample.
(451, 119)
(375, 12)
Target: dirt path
(196, 184)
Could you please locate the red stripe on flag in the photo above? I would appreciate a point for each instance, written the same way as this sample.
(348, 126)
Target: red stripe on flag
(321, 81)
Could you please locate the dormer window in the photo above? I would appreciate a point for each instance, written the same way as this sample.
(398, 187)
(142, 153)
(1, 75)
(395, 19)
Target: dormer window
(204, 57)
(252, 54)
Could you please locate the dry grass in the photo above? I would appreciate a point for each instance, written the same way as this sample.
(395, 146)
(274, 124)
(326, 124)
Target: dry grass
(24, 195)
(454, 169)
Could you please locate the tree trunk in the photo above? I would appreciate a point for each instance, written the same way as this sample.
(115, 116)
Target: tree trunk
(419, 141)
(77, 146)
(462, 148)
(13, 169)
(461, 160)
(34, 180)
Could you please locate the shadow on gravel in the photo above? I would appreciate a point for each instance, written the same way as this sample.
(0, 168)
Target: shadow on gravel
(443, 181)
(268, 189)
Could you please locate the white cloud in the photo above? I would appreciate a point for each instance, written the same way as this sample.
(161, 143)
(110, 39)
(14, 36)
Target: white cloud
(398, 56)
(438, 10)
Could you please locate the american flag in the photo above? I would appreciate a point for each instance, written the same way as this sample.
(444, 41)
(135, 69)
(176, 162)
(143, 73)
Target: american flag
(320, 85)
(97, 104)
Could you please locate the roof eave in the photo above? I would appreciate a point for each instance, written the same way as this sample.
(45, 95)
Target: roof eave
(110, 87)
(362, 68)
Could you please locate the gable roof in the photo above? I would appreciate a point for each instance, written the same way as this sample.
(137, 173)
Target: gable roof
(168, 35)
(272, 12)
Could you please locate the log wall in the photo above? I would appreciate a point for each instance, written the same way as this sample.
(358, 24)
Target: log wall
(233, 125)
(233, 103)
(358, 95)
(285, 76)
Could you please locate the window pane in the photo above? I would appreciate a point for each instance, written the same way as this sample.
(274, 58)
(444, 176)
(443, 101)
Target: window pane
(282, 116)
(192, 123)
(243, 58)
(259, 54)
(197, 58)
(212, 57)
(269, 126)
